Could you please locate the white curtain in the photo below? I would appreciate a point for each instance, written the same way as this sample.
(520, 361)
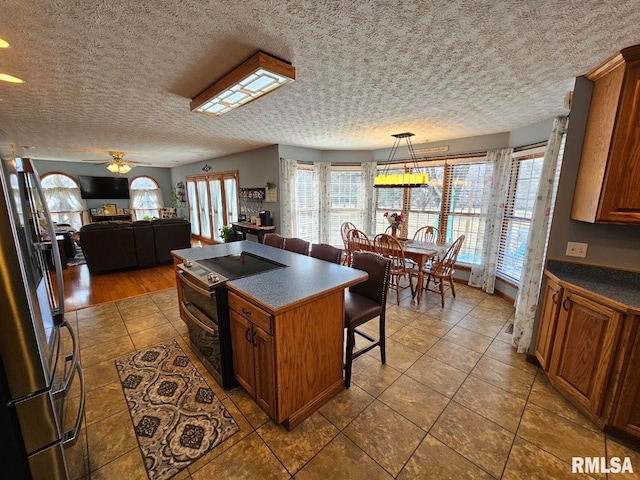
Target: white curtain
(529, 288)
(288, 196)
(494, 197)
(369, 171)
(322, 179)
(65, 204)
(146, 202)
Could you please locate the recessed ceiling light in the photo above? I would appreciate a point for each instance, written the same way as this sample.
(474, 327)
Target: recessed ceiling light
(4, 43)
(5, 77)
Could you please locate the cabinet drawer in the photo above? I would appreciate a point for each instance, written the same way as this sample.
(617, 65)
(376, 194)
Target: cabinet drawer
(251, 312)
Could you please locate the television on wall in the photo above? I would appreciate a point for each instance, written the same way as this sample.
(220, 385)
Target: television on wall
(105, 188)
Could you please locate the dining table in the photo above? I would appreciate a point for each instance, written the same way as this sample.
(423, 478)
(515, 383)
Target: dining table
(418, 252)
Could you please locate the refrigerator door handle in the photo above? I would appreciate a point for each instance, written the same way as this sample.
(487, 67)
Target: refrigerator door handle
(70, 436)
(73, 358)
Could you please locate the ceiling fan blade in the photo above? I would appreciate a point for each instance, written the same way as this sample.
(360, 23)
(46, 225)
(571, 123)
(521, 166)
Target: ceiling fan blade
(136, 163)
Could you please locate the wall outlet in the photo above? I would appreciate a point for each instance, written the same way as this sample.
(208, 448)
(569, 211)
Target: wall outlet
(575, 249)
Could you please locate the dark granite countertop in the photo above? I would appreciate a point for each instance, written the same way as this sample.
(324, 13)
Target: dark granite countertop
(277, 290)
(620, 286)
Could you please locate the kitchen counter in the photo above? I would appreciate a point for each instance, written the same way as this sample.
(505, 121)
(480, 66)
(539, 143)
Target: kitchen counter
(282, 289)
(618, 287)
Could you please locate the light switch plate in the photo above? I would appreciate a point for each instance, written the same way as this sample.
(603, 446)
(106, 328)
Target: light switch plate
(575, 249)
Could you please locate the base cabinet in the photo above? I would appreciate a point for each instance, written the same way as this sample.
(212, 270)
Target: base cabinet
(627, 415)
(552, 299)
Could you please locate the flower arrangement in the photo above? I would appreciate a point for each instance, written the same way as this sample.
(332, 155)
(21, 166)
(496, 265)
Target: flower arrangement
(394, 219)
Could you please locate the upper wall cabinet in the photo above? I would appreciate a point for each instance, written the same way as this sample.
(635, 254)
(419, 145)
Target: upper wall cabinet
(608, 185)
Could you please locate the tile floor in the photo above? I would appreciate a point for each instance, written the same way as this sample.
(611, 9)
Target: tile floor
(454, 401)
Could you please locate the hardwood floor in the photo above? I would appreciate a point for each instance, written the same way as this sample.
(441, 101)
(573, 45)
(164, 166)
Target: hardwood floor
(83, 290)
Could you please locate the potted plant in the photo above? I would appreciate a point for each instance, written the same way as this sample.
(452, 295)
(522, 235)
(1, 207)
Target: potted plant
(228, 233)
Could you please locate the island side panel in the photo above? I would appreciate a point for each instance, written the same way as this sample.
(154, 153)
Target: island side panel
(309, 356)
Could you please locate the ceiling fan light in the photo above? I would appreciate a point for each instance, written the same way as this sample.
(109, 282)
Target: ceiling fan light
(4, 43)
(5, 77)
(118, 168)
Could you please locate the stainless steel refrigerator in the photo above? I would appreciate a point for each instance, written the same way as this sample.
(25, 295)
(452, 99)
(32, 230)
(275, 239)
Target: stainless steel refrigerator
(41, 381)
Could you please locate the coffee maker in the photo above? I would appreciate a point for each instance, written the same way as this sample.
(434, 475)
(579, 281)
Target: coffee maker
(266, 219)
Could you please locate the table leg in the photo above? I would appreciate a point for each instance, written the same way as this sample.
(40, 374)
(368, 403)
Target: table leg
(419, 286)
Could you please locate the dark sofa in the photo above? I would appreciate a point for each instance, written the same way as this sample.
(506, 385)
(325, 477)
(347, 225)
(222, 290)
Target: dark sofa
(116, 245)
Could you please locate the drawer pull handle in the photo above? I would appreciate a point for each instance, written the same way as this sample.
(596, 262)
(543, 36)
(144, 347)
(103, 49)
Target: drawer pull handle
(555, 297)
(564, 304)
(246, 312)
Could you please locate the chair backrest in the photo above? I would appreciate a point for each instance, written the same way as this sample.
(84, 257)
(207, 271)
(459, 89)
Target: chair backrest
(389, 247)
(445, 266)
(326, 252)
(296, 245)
(357, 241)
(426, 235)
(378, 268)
(273, 240)
(344, 228)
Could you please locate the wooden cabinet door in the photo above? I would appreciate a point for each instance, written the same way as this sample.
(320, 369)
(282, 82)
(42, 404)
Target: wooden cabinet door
(265, 370)
(627, 415)
(584, 350)
(552, 298)
(243, 356)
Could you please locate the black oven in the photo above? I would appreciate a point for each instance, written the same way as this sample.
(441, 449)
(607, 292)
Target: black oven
(205, 305)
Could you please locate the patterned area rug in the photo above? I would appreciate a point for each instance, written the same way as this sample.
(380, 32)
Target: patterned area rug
(176, 416)
(78, 259)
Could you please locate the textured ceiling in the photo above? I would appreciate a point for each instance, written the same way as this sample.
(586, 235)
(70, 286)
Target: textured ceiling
(119, 74)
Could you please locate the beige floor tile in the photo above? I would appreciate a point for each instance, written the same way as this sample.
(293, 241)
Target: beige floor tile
(473, 436)
(544, 395)
(414, 401)
(434, 460)
(104, 401)
(445, 314)
(106, 351)
(152, 336)
(509, 355)
(617, 449)
(153, 320)
(399, 356)
(371, 375)
(249, 458)
(400, 314)
(433, 326)
(134, 302)
(295, 448)
(526, 461)
(491, 402)
(249, 408)
(439, 376)
(489, 328)
(385, 435)
(172, 314)
(560, 436)
(504, 336)
(104, 310)
(488, 313)
(468, 339)
(346, 406)
(511, 379)
(495, 302)
(455, 355)
(416, 339)
(127, 466)
(93, 336)
(459, 305)
(342, 459)
(139, 310)
(99, 374)
(110, 438)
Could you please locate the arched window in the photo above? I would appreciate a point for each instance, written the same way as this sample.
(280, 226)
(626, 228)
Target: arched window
(146, 198)
(65, 203)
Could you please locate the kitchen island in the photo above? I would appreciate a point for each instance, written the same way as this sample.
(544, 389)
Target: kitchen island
(286, 328)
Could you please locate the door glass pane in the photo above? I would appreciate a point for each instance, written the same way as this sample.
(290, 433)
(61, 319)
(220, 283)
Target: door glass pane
(194, 213)
(215, 188)
(205, 218)
(231, 199)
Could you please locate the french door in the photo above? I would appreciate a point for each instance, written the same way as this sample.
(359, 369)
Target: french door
(213, 202)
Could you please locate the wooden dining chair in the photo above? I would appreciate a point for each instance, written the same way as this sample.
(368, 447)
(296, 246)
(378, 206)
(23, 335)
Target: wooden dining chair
(273, 240)
(296, 245)
(443, 269)
(389, 247)
(326, 252)
(364, 302)
(357, 241)
(344, 228)
(427, 234)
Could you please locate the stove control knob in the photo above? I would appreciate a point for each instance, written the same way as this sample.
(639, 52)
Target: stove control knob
(212, 277)
(188, 263)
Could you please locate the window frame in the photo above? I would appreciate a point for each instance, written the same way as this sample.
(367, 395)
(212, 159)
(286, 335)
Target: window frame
(69, 213)
(134, 211)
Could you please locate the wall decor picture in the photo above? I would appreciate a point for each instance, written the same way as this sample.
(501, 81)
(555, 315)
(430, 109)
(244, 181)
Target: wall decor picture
(110, 208)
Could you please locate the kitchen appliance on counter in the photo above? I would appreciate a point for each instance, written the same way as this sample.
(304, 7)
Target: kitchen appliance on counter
(206, 307)
(266, 220)
(39, 354)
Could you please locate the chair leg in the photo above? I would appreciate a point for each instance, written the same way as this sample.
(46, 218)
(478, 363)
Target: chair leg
(351, 340)
(442, 291)
(453, 290)
(398, 288)
(382, 339)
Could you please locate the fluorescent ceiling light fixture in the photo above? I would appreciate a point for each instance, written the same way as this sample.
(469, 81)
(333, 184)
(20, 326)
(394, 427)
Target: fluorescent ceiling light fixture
(258, 76)
(4, 43)
(5, 77)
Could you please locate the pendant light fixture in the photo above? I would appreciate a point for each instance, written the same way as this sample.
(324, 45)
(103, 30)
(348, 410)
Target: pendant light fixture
(411, 178)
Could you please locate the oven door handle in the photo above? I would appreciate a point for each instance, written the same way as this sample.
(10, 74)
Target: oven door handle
(197, 321)
(192, 285)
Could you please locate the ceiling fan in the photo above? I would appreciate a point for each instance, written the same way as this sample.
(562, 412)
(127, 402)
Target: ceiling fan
(118, 164)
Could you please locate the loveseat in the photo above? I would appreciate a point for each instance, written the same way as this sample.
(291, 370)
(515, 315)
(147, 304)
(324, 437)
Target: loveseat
(116, 245)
